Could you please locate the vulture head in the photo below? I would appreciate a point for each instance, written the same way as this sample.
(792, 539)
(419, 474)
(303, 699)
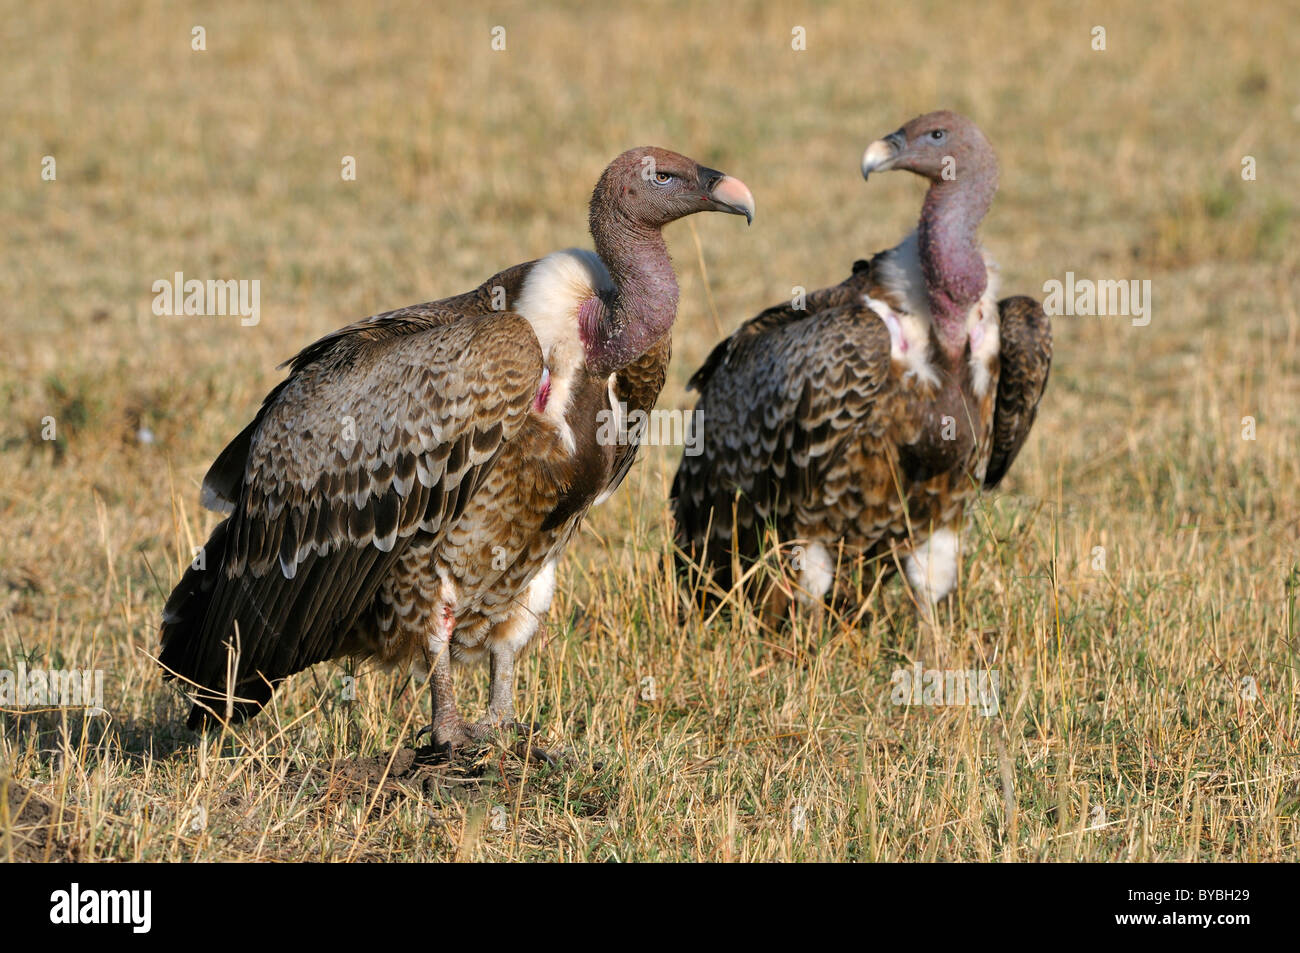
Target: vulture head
(950, 151)
(639, 193)
(940, 146)
(653, 187)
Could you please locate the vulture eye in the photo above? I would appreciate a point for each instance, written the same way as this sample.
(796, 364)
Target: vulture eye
(939, 135)
(663, 178)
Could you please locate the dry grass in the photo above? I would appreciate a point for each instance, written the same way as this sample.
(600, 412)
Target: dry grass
(1123, 732)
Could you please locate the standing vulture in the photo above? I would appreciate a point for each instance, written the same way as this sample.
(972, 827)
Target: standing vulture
(859, 426)
(405, 493)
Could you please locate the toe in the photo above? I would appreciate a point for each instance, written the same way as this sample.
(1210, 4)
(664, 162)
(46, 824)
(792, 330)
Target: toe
(534, 753)
(449, 738)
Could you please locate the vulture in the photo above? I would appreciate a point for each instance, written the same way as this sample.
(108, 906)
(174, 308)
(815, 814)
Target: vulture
(853, 428)
(404, 494)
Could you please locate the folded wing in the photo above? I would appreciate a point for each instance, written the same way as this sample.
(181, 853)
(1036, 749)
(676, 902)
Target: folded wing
(779, 398)
(1026, 357)
(381, 434)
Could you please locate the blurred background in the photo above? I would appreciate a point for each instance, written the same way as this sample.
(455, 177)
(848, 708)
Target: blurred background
(1117, 163)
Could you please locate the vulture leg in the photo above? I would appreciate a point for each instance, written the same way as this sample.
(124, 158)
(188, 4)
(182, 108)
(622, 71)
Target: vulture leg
(931, 571)
(505, 643)
(776, 608)
(814, 580)
(500, 715)
(449, 729)
(501, 704)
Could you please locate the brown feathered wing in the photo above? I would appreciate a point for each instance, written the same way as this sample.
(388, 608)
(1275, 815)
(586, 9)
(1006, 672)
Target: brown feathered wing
(1026, 357)
(381, 434)
(779, 397)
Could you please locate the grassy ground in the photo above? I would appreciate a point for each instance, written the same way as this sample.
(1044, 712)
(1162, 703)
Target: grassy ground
(1126, 730)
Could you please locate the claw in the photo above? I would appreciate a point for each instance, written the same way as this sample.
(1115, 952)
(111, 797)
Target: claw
(533, 753)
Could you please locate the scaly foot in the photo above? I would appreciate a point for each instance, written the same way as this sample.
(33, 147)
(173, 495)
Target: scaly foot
(497, 726)
(452, 737)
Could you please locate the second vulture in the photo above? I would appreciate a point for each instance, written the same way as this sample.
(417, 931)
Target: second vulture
(855, 427)
(405, 493)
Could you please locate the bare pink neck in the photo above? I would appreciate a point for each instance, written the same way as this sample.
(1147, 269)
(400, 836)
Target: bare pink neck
(951, 261)
(644, 303)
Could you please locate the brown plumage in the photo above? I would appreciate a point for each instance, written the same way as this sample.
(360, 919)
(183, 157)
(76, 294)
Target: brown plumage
(404, 494)
(859, 425)
(1026, 360)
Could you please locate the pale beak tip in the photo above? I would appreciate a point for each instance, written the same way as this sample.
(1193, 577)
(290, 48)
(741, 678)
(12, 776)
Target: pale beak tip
(878, 157)
(735, 196)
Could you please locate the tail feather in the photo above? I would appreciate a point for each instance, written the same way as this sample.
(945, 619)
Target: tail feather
(187, 655)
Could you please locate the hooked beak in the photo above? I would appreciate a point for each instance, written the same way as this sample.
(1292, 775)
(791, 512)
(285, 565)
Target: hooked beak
(728, 194)
(882, 154)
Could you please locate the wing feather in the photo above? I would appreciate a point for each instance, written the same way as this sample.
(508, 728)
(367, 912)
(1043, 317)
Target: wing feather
(381, 432)
(779, 398)
(1026, 356)
(637, 386)
(847, 292)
